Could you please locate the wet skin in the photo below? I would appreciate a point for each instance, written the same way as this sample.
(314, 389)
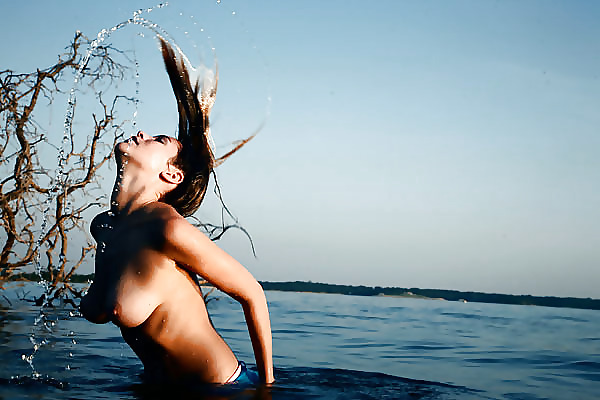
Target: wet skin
(146, 253)
(153, 300)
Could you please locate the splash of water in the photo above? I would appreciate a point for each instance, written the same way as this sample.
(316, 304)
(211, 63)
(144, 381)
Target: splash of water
(59, 185)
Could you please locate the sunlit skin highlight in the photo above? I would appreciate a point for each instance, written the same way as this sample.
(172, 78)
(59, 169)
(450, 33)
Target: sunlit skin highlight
(143, 276)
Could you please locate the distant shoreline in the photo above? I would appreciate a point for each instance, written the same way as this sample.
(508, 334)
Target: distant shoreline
(415, 293)
(435, 294)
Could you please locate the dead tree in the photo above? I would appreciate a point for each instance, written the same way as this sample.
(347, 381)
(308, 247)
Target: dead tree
(28, 191)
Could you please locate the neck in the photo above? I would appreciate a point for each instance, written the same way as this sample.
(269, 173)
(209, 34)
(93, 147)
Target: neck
(131, 193)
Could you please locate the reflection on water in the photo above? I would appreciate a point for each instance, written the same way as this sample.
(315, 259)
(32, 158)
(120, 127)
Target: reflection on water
(335, 346)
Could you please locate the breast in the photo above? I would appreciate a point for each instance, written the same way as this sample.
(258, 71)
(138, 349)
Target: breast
(140, 289)
(133, 304)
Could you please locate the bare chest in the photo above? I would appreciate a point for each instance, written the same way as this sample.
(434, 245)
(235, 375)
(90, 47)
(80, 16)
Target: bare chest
(132, 274)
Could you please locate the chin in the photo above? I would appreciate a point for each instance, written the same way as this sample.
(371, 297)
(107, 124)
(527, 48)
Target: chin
(121, 150)
(122, 147)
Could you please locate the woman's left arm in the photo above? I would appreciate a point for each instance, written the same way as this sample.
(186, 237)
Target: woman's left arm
(186, 245)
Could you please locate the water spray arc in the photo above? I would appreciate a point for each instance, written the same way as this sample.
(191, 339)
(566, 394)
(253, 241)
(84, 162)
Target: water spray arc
(58, 191)
(59, 194)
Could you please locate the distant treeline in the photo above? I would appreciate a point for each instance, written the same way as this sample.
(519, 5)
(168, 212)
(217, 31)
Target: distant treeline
(33, 277)
(452, 295)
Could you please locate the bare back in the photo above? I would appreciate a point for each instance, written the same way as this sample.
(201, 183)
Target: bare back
(156, 304)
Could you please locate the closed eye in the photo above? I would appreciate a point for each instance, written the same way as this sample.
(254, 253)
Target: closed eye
(161, 138)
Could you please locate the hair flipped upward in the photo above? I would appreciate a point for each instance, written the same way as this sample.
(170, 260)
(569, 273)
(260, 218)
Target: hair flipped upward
(195, 157)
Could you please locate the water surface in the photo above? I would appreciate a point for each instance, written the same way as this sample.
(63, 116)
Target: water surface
(336, 346)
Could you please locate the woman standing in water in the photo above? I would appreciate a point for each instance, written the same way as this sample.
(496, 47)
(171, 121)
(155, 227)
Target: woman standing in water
(148, 255)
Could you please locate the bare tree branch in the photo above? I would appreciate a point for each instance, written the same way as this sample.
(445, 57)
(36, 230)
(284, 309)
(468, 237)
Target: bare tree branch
(28, 189)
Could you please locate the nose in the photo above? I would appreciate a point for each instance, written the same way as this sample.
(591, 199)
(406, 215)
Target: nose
(142, 135)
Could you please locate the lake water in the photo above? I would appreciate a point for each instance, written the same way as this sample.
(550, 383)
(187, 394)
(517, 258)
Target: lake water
(329, 346)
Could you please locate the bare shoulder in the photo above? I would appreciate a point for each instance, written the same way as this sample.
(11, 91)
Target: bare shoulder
(182, 241)
(179, 228)
(168, 215)
(164, 211)
(174, 226)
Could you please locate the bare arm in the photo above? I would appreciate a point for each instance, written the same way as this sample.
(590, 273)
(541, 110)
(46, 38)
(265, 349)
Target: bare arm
(188, 246)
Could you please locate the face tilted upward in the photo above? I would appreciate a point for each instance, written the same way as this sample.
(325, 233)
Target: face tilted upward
(148, 152)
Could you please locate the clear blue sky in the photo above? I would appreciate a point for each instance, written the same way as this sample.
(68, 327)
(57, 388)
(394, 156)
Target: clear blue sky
(438, 144)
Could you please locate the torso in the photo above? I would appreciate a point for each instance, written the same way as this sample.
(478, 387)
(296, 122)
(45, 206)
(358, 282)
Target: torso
(156, 303)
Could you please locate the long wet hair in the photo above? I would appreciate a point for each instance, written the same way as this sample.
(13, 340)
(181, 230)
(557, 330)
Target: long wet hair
(195, 157)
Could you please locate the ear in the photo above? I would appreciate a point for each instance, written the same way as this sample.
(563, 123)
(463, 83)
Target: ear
(172, 175)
